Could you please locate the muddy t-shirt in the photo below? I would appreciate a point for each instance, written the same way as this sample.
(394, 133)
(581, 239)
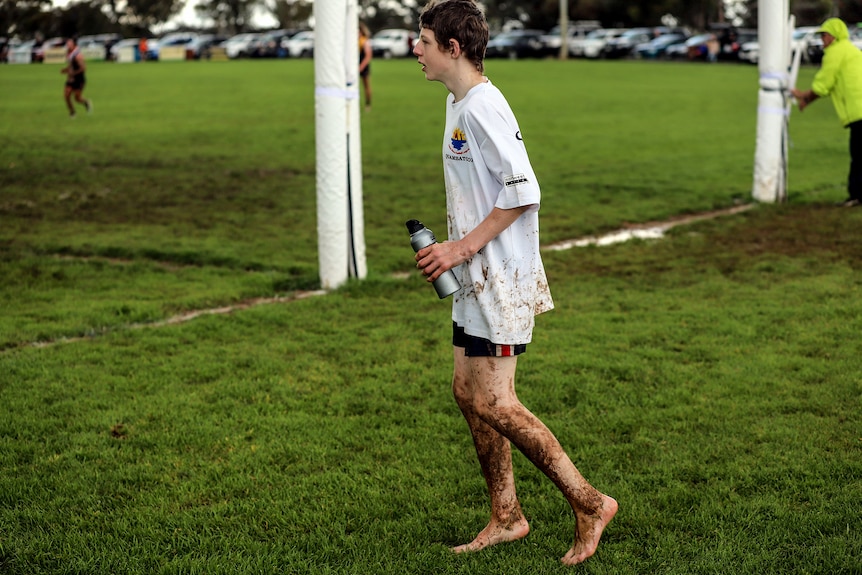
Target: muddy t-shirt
(485, 165)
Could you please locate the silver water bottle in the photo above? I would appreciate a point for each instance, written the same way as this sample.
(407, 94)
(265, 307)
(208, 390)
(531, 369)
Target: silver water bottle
(421, 237)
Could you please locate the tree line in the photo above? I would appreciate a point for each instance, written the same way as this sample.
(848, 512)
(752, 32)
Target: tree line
(132, 18)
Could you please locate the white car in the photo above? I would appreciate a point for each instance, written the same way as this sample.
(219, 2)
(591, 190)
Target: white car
(392, 43)
(23, 52)
(300, 45)
(592, 44)
(749, 52)
(801, 37)
(577, 30)
(238, 46)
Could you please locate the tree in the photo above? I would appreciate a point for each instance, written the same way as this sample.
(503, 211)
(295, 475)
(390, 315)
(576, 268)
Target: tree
(142, 14)
(848, 10)
(292, 14)
(88, 17)
(380, 14)
(23, 17)
(231, 15)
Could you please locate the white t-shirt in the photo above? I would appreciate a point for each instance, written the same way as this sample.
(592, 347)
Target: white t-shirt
(485, 165)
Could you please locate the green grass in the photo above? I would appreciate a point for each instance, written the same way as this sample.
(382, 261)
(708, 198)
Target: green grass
(709, 381)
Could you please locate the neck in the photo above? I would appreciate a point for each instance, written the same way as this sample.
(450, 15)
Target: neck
(464, 82)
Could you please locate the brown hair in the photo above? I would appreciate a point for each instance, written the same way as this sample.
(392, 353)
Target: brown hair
(460, 20)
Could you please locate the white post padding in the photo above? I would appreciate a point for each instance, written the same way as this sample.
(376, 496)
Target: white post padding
(770, 157)
(340, 231)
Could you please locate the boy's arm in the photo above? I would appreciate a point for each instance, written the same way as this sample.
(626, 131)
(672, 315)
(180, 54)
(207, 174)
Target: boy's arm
(438, 258)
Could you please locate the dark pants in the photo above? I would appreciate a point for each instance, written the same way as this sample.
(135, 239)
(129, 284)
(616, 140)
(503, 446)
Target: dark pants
(854, 180)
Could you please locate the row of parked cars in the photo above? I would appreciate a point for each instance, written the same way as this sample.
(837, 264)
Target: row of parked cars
(807, 40)
(389, 43)
(589, 40)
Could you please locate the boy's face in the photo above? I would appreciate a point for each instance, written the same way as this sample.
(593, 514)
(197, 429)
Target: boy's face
(435, 62)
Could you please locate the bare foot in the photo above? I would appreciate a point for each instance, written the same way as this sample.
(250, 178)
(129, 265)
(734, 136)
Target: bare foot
(589, 531)
(495, 533)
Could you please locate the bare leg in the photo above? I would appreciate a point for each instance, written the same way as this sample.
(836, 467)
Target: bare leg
(507, 521)
(496, 403)
(67, 94)
(81, 100)
(366, 84)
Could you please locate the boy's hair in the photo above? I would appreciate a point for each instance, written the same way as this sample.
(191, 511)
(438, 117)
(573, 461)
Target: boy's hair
(460, 20)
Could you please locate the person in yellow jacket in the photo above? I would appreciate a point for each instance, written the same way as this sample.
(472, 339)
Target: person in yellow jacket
(840, 76)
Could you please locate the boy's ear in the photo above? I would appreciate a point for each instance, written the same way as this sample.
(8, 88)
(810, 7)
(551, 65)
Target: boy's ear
(454, 47)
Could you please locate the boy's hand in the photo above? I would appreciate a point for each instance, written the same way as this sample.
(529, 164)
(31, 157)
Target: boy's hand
(437, 258)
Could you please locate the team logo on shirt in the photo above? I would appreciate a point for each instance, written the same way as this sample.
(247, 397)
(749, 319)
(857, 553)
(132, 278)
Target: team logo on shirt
(458, 142)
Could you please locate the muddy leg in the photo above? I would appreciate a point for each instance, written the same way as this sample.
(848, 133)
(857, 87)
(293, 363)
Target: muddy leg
(507, 521)
(497, 405)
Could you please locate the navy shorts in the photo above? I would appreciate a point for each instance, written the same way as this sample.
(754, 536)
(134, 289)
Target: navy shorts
(76, 82)
(478, 347)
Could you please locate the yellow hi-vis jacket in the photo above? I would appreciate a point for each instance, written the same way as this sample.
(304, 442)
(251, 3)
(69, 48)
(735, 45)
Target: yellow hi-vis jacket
(840, 75)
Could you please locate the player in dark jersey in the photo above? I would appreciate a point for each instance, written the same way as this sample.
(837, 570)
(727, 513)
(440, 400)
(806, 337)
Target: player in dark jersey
(75, 77)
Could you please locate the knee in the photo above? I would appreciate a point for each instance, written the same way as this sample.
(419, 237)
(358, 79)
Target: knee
(496, 412)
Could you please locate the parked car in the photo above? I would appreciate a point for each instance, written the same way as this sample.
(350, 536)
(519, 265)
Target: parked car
(577, 30)
(202, 45)
(592, 45)
(239, 46)
(749, 52)
(731, 40)
(802, 37)
(22, 53)
(623, 45)
(692, 49)
(182, 40)
(815, 50)
(656, 47)
(300, 45)
(39, 50)
(99, 41)
(130, 43)
(268, 44)
(516, 44)
(393, 43)
(7, 44)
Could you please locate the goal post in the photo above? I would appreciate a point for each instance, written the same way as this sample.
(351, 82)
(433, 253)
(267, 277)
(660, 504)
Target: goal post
(773, 100)
(340, 218)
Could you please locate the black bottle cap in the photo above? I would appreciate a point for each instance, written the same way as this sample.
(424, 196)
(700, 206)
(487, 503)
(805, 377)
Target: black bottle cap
(414, 226)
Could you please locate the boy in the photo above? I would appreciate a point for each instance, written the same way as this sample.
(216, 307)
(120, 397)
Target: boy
(492, 202)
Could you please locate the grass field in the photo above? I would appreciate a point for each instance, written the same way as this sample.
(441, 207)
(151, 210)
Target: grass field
(709, 381)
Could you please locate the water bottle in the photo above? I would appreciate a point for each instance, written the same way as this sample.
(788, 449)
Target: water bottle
(421, 237)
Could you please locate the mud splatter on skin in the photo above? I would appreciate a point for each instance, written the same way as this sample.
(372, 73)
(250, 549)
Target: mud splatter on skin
(503, 418)
(494, 454)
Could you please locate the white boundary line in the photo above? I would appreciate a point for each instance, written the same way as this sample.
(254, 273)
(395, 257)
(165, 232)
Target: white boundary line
(649, 231)
(653, 230)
